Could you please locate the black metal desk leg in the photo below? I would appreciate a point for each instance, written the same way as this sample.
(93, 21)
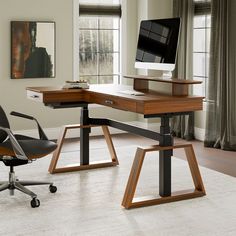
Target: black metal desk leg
(84, 137)
(165, 159)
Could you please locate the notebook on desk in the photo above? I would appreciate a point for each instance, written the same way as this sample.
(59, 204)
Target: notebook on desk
(80, 84)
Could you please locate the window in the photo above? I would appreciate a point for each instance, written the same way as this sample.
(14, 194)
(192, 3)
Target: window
(201, 45)
(99, 49)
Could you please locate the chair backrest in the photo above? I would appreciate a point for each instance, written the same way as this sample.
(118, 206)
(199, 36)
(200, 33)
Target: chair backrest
(4, 123)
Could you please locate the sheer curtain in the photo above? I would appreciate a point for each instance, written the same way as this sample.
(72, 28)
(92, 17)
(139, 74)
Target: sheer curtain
(183, 126)
(221, 98)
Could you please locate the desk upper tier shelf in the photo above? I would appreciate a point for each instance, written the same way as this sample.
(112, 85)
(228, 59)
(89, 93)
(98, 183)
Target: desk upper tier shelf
(179, 86)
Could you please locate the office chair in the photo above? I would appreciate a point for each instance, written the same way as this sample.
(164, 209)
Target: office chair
(16, 150)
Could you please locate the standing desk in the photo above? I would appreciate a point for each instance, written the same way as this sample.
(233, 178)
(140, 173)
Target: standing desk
(151, 104)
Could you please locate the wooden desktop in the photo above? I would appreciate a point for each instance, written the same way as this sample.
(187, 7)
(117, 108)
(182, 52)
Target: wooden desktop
(150, 104)
(111, 95)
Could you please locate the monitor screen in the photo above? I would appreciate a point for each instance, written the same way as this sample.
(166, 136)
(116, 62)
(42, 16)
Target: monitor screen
(157, 44)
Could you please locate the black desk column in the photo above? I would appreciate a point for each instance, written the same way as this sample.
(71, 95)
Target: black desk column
(84, 137)
(165, 158)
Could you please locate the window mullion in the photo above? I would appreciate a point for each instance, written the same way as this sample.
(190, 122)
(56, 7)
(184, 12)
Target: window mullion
(202, 8)
(106, 68)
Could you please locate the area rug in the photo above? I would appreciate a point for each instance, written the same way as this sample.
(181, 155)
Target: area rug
(89, 202)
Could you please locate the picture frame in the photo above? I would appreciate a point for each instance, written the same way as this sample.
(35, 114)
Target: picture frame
(32, 49)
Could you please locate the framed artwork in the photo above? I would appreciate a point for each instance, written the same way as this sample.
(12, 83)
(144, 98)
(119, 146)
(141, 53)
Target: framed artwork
(32, 49)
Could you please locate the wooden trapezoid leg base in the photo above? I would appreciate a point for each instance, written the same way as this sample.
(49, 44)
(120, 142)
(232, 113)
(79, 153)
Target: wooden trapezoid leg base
(130, 202)
(77, 167)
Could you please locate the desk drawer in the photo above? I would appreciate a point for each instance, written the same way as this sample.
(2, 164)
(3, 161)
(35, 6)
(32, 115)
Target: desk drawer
(56, 96)
(114, 102)
(38, 97)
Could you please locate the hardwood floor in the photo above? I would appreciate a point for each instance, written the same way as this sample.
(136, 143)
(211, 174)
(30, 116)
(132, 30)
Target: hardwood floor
(215, 159)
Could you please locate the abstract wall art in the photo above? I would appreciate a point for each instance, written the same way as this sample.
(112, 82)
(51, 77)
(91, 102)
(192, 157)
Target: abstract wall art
(32, 49)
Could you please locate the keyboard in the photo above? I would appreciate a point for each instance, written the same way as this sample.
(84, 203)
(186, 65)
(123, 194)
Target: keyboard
(132, 92)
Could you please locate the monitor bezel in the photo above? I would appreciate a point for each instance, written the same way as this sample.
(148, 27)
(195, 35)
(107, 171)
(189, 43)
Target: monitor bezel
(156, 65)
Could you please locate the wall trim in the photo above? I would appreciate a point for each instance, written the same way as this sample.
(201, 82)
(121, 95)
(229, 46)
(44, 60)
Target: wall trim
(199, 133)
(53, 133)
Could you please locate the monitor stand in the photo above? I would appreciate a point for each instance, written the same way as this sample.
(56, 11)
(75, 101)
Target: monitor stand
(179, 86)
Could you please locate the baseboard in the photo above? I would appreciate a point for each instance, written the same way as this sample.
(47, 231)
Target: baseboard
(199, 133)
(53, 133)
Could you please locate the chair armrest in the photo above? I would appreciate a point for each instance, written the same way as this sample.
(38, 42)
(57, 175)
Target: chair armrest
(15, 145)
(42, 135)
(14, 113)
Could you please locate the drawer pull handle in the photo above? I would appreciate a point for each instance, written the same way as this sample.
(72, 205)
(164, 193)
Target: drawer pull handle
(110, 102)
(34, 96)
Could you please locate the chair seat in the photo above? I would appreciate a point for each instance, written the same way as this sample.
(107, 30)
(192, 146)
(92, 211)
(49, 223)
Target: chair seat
(33, 148)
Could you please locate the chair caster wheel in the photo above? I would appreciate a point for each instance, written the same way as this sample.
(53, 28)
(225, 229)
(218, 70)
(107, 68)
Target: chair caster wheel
(52, 188)
(35, 203)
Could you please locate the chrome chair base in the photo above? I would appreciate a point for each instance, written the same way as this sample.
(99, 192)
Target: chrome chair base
(14, 183)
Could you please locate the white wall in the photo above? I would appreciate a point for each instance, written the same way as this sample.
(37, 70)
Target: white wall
(129, 39)
(159, 8)
(13, 93)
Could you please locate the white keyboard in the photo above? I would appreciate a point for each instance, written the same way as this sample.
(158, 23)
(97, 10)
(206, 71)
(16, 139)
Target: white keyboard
(132, 92)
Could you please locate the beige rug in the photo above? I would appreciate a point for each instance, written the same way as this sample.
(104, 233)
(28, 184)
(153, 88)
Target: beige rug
(89, 202)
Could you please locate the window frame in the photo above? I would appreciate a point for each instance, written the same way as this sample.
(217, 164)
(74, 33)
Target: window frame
(116, 76)
(76, 13)
(202, 8)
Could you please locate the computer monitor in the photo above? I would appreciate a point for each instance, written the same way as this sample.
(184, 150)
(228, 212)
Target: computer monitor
(157, 45)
